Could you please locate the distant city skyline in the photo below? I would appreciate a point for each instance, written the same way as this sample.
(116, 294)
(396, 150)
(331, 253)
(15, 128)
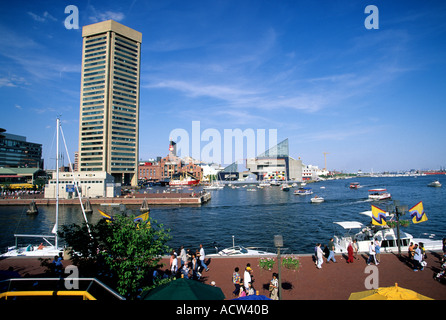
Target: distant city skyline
(372, 99)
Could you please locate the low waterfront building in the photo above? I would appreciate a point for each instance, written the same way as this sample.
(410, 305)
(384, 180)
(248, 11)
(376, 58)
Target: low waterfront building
(15, 178)
(169, 167)
(276, 164)
(90, 185)
(310, 172)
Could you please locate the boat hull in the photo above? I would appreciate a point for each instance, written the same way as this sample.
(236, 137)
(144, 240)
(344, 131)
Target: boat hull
(33, 251)
(184, 182)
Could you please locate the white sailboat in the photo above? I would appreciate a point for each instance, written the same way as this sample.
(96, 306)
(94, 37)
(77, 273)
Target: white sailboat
(46, 248)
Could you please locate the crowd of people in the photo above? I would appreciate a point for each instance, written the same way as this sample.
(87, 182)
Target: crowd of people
(245, 286)
(191, 264)
(416, 253)
(20, 193)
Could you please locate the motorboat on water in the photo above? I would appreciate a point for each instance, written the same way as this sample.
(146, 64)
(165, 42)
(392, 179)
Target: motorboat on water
(379, 194)
(214, 186)
(317, 199)
(285, 187)
(354, 185)
(303, 191)
(435, 184)
(364, 235)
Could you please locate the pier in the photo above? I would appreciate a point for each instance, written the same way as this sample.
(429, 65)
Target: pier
(190, 198)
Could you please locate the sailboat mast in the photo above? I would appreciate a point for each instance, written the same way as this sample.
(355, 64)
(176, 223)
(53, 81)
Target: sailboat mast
(57, 183)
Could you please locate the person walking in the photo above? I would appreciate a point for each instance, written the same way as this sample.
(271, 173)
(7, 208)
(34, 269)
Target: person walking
(411, 252)
(319, 256)
(350, 253)
(355, 249)
(378, 250)
(183, 256)
(236, 281)
(372, 254)
(274, 288)
(331, 248)
(247, 276)
(174, 265)
(202, 257)
(195, 273)
(417, 258)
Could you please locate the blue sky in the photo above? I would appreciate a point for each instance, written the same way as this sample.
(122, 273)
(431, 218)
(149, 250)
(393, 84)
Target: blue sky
(373, 99)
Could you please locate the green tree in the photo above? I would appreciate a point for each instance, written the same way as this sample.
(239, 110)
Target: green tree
(128, 249)
(133, 250)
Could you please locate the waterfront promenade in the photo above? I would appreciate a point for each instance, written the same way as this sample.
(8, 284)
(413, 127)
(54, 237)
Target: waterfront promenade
(163, 198)
(335, 281)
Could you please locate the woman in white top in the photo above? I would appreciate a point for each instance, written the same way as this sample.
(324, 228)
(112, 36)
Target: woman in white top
(319, 254)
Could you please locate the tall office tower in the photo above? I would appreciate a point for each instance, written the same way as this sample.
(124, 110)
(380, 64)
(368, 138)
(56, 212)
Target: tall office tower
(109, 108)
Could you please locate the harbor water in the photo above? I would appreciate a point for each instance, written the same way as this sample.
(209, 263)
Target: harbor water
(254, 217)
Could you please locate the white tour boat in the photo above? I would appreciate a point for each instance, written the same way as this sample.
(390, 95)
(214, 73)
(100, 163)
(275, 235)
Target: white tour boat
(379, 194)
(364, 235)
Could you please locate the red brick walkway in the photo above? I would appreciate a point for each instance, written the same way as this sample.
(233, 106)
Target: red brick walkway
(335, 281)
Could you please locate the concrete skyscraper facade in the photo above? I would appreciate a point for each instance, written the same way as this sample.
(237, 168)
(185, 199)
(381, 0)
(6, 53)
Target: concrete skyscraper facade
(109, 106)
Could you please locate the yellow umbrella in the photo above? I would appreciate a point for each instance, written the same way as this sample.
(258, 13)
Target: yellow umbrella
(388, 293)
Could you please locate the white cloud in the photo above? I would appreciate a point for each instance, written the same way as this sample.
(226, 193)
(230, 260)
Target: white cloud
(106, 15)
(43, 18)
(11, 81)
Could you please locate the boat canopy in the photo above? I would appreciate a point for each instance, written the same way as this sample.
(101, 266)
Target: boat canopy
(350, 224)
(369, 213)
(378, 190)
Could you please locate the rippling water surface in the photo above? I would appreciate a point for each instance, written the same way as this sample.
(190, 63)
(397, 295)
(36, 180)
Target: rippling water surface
(254, 217)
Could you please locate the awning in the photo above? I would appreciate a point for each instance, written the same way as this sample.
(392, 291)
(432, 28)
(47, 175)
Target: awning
(350, 224)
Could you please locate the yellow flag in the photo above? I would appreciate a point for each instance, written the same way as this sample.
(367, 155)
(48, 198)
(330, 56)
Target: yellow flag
(378, 216)
(417, 213)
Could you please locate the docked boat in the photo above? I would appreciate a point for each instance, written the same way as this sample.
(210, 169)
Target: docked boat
(317, 199)
(46, 248)
(379, 194)
(285, 187)
(354, 185)
(303, 191)
(184, 181)
(364, 235)
(435, 184)
(243, 251)
(214, 186)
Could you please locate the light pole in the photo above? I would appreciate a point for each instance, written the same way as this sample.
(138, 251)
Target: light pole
(399, 210)
(278, 243)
